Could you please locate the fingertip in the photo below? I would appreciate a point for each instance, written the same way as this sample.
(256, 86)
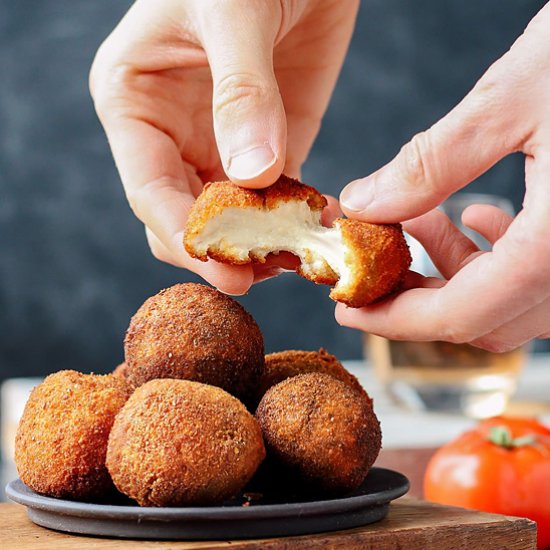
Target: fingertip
(331, 211)
(264, 273)
(356, 196)
(341, 314)
(360, 200)
(234, 280)
(284, 260)
(473, 213)
(256, 169)
(275, 265)
(229, 279)
(386, 197)
(488, 220)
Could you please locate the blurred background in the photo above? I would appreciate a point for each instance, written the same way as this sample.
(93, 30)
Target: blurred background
(75, 265)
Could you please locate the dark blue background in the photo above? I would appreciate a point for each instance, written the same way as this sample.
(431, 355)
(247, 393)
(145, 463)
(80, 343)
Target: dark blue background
(74, 263)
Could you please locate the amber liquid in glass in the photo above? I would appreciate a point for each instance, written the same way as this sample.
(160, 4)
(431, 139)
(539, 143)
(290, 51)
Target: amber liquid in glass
(446, 377)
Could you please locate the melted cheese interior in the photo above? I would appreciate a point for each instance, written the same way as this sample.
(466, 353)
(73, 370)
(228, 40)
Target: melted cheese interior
(291, 227)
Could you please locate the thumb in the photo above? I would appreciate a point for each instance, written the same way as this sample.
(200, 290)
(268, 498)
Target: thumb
(249, 117)
(483, 128)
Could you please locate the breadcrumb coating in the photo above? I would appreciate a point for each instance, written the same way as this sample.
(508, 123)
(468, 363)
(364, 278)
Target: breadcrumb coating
(379, 259)
(194, 332)
(182, 443)
(121, 370)
(61, 441)
(320, 432)
(285, 364)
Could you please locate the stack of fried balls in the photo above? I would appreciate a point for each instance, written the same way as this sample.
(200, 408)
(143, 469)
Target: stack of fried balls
(175, 426)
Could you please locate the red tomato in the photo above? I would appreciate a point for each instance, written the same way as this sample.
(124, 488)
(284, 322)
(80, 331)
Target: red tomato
(500, 466)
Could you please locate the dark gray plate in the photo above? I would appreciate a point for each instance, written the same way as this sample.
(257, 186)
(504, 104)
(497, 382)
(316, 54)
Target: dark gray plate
(366, 505)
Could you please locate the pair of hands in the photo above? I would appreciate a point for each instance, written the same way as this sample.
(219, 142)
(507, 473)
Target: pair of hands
(190, 91)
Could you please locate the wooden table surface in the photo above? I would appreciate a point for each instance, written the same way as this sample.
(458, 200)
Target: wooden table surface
(411, 524)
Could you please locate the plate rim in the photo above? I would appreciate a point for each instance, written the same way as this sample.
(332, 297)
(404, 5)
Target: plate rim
(18, 492)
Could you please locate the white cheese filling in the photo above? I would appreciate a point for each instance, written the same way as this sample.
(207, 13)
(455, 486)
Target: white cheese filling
(291, 227)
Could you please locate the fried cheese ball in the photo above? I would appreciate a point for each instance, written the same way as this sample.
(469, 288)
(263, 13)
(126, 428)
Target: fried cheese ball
(61, 441)
(363, 261)
(193, 332)
(121, 370)
(285, 364)
(320, 432)
(179, 443)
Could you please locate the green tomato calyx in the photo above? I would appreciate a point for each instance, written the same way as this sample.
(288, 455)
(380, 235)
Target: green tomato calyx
(502, 436)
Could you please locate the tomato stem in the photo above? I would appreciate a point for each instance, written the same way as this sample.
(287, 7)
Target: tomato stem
(502, 436)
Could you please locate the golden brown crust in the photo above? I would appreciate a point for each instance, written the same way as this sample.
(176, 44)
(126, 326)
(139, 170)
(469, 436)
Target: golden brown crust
(121, 370)
(320, 431)
(285, 364)
(320, 276)
(178, 443)
(61, 441)
(218, 196)
(194, 332)
(378, 254)
(379, 259)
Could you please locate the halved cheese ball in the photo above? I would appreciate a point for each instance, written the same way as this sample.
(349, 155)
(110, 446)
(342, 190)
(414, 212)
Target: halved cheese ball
(363, 261)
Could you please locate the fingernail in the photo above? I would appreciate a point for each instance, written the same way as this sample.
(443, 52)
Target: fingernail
(251, 163)
(357, 195)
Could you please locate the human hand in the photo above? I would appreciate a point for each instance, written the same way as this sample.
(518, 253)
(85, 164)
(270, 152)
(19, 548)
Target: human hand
(495, 300)
(190, 91)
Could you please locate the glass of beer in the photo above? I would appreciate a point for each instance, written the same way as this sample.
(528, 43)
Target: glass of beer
(441, 376)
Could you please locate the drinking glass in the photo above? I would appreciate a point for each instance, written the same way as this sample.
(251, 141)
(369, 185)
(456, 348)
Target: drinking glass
(441, 376)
